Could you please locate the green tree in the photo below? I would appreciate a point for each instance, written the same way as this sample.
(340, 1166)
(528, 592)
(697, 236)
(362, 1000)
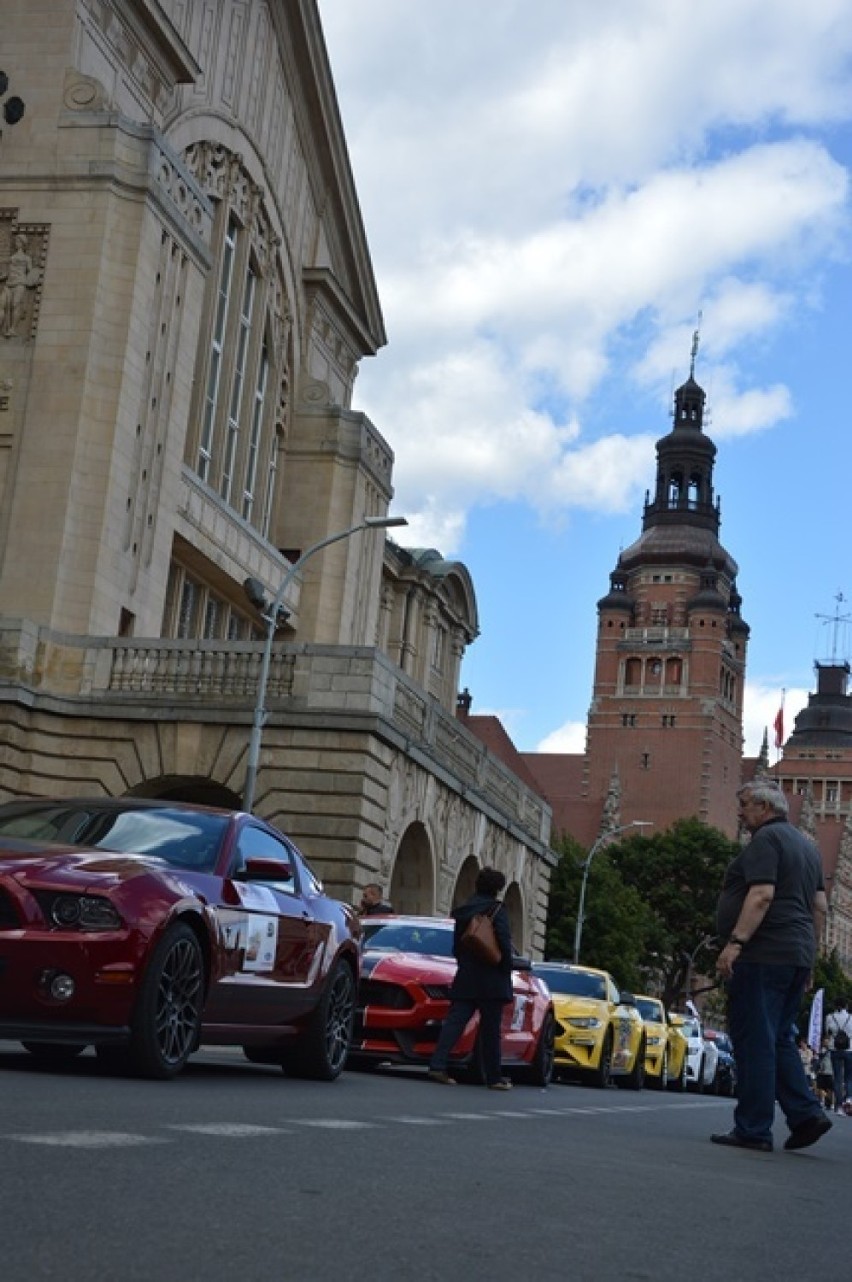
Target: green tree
(829, 975)
(616, 920)
(678, 874)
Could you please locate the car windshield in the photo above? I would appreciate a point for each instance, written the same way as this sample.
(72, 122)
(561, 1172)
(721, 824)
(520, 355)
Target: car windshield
(577, 983)
(650, 1010)
(402, 937)
(690, 1028)
(184, 838)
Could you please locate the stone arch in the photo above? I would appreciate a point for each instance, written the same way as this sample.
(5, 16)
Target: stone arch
(465, 881)
(412, 888)
(200, 790)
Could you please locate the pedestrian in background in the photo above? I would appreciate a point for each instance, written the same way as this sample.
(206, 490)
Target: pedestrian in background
(478, 986)
(372, 901)
(770, 912)
(825, 1075)
(838, 1027)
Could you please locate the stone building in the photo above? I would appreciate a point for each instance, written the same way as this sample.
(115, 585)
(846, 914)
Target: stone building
(186, 294)
(815, 771)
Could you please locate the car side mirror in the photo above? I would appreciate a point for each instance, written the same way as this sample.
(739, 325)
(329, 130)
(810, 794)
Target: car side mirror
(627, 999)
(260, 868)
(521, 963)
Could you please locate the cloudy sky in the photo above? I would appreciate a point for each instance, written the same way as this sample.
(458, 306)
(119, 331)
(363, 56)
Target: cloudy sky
(554, 191)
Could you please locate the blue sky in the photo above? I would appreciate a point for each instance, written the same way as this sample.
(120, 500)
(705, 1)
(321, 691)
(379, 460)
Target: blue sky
(552, 193)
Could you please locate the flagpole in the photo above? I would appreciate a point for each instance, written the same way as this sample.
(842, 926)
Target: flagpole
(779, 728)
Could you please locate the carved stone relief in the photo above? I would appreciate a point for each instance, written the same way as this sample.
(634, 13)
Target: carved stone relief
(23, 254)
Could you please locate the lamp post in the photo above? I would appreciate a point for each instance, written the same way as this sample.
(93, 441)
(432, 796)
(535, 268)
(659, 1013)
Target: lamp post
(690, 963)
(270, 618)
(601, 841)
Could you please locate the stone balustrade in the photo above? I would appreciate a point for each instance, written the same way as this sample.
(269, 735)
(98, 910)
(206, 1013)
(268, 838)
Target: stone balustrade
(186, 679)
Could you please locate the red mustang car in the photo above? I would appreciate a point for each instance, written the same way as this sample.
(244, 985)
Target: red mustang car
(145, 928)
(407, 966)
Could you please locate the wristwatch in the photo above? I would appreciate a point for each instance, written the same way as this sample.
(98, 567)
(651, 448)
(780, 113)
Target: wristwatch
(734, 939)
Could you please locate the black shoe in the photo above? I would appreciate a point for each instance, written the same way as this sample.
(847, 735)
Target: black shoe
(733, 1139)
(812, 1129)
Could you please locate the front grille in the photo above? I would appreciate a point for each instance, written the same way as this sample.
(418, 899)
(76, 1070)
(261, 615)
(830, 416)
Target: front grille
(374, 992)
(9, 919)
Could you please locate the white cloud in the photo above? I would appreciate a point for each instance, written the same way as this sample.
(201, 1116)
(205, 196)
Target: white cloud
(570, 737)
(537, 189)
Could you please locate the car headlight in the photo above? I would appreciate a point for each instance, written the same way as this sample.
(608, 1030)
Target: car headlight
(82, 912)
(583, 1021)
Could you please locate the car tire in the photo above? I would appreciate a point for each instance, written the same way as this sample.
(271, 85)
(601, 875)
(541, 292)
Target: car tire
(540, 1072)
(167, 1020)
(635, 1079)
(320, 1053)
(602, 1075)
(53, 1054)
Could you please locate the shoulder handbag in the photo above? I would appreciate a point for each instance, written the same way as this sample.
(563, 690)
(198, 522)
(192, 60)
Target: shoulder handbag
(480, 940)
(841, 1035)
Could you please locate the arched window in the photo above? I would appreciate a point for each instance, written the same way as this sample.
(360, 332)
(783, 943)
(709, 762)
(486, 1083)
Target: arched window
(244, 358)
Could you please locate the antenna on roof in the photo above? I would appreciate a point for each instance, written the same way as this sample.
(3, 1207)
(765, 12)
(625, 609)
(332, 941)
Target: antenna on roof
(835, 620)
(695, 340)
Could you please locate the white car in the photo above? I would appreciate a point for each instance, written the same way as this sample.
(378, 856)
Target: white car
(702, 1057)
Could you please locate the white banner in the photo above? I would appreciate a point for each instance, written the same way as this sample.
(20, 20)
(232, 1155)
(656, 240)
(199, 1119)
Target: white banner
(815, 1021)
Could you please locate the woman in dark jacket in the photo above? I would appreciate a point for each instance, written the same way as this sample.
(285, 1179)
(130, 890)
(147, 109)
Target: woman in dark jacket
(477, 986)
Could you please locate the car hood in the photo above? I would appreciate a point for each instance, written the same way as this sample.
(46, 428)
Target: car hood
(73, 866)
(403, 968)
(568, 1004)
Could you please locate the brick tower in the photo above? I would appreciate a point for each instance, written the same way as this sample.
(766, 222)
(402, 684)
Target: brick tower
(665, 725)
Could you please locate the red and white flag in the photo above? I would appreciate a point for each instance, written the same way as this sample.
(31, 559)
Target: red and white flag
(779, 725)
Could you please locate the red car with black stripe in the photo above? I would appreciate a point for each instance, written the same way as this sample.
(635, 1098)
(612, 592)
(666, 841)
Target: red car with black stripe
(146, 928)
(407, 966)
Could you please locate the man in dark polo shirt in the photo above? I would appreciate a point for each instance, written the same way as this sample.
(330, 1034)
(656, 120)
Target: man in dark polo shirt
(770, 914)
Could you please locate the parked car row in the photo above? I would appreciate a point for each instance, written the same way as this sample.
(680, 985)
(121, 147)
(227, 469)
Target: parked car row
(148, 928)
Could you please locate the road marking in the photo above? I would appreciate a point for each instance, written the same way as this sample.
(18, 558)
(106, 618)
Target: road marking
(334, 1124)
(230, 1130)
(418, 1121)
(469, 1117)
(89, 1139)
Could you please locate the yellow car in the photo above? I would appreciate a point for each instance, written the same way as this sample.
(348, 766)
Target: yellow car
(666, 1052)
(600, 1035)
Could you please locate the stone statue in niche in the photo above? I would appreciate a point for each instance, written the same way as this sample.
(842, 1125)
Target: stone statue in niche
(18, 277)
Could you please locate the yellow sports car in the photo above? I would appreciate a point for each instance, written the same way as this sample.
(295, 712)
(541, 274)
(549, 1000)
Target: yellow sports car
(600, 1034)
(666, 1047)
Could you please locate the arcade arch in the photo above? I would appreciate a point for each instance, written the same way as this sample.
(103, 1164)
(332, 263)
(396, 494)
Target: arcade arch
(412, 888)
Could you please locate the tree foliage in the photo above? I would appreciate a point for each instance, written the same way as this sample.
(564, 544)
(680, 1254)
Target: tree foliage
(650, 906)
(678, 873)
(830, 975)
(616, 920)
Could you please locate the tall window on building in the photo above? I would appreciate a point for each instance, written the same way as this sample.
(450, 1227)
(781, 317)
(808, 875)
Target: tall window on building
(245, 346)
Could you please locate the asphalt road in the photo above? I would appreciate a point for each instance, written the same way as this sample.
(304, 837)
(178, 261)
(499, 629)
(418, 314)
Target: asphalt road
(235, 1172)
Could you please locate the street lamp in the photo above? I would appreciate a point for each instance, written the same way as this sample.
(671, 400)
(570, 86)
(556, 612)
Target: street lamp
(270, 615)
(601, 841)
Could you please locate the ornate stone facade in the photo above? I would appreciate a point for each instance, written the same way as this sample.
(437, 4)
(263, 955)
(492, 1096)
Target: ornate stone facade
(186, 295)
